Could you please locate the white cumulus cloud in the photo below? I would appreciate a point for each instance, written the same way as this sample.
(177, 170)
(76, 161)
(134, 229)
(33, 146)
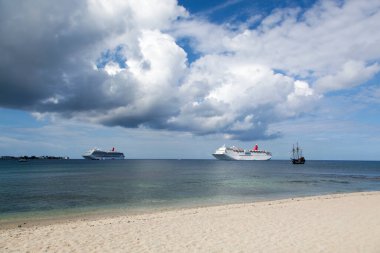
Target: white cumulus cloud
(121, 63)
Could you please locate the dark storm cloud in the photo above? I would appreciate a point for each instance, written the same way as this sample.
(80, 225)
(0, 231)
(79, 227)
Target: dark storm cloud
(45, 50)
(50, 52)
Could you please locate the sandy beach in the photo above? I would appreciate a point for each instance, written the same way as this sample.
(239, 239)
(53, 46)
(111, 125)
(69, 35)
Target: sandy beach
(330, 223)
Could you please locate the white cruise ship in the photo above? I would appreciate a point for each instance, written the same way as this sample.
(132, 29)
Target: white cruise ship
(235, 153)
(97, 154)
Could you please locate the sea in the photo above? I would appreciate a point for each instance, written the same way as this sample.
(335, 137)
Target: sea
(50, 188)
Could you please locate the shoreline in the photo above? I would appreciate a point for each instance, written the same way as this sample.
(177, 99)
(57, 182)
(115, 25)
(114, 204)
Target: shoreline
(347, 222)
(61, 216)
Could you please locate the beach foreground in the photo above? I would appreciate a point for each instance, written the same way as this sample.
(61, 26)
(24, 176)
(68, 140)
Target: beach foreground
(330, 223)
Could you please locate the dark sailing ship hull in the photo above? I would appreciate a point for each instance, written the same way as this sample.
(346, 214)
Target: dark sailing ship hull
(298, 161)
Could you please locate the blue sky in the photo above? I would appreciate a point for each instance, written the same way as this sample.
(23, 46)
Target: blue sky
(239, 10)
(167, 79)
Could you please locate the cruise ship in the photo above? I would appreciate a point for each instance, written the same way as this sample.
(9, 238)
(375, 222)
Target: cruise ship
(235, 153)
(97, 154)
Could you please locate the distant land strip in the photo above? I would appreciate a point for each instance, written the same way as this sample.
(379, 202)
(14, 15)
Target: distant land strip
(34, 157)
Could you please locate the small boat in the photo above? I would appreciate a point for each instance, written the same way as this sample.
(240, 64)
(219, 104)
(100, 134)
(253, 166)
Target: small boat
(297, 157)
(22, 160)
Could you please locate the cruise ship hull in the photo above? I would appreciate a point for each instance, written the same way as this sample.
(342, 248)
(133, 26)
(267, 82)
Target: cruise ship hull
(223, 157)
(90, 157)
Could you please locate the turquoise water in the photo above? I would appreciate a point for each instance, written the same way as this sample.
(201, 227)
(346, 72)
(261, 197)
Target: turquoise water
(76, 186)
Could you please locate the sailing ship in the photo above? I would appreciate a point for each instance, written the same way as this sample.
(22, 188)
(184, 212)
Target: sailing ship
(297, 157)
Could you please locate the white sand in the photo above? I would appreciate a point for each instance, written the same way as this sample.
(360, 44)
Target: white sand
(333, 223)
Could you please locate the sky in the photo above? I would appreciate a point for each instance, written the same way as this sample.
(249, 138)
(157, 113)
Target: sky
(177, 79)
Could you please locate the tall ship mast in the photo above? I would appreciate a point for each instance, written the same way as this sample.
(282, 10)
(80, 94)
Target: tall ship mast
(236, 153)
(297, 157)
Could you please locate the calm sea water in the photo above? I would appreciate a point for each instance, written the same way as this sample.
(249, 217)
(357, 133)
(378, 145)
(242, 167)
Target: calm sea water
(43, 187)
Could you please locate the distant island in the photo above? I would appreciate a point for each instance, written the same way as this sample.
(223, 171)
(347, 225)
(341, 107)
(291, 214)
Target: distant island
(34, 157)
